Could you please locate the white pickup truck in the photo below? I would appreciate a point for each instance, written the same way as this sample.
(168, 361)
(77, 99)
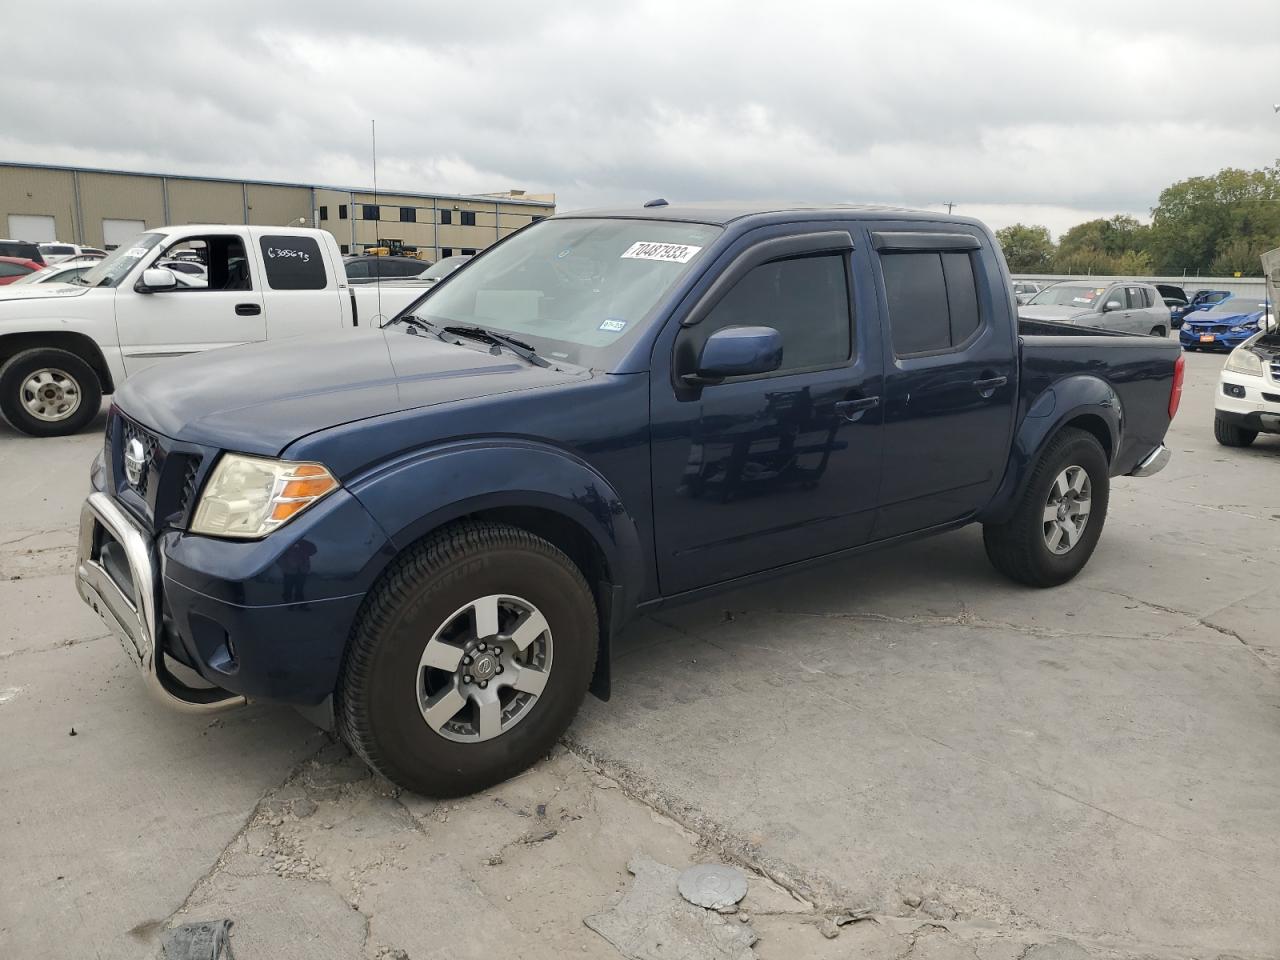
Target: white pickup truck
(62, 346)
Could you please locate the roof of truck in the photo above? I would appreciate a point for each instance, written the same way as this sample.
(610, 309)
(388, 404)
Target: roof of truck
(721, 213)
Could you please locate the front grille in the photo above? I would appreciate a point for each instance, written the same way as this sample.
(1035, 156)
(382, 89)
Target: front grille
(149, 443)
(1271, 397)
(1275, 370)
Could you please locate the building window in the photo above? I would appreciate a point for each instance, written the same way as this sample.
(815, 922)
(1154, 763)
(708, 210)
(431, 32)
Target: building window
(468, 218)
(408, 215)
(346, 248)
(468, 252)
(446, 217)
(369, 211)
(342, 212)
(446, 252)
(324, 213)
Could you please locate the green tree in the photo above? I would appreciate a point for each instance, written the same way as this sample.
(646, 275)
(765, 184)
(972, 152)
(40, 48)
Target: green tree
(1198, 220)
(1132, 263)
(1240, 256)
(1084, 261)
(1112, 237)
(1028, 249)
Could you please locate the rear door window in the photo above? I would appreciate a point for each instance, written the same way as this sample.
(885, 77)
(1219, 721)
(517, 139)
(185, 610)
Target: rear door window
(932, 299)
(293, 263)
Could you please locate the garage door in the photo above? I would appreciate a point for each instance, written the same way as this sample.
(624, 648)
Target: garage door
(116, 232)
(32, 228)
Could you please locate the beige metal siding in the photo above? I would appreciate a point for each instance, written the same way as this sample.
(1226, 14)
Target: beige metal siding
(277, 206)
(205, 201)
(119, 196)
(37, 192)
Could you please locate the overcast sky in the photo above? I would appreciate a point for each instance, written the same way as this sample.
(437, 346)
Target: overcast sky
(1008, 110)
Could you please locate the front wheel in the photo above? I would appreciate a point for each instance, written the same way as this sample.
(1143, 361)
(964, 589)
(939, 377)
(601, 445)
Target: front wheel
(46, 392)
(1229, 435)
(1059, 516)
(469, 659)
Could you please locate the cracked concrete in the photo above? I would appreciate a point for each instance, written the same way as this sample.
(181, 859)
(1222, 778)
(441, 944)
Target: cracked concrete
(910, 757)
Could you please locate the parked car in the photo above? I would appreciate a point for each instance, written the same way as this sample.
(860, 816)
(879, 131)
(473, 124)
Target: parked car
(1248, 399)
(57, 252)
(1226, 325)
(22, 250)
(64, 272)
(1200, 300)
(370, 269)
(1024, 290)
(430, 535)
(1175, 298)
(126, 314)
(1125, 306)
(441, 269)
(13, 269)
(193, 268)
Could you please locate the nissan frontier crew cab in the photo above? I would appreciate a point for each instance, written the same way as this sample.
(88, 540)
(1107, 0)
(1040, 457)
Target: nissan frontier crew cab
(64, 345)
(429, 535)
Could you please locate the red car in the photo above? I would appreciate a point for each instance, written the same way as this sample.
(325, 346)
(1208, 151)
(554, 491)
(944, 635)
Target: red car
(15, 268)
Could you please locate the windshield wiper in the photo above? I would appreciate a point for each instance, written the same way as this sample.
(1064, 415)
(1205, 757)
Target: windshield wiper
(415, 322)
(517, 347)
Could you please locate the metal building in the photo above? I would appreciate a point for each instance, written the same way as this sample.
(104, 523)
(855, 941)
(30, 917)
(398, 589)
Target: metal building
(104, 208)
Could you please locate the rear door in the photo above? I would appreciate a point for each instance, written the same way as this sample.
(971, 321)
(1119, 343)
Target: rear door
(950, 373)
(302, 293)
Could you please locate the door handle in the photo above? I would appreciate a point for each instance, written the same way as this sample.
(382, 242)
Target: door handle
(852, 410)
(988, 387)
(247, 309)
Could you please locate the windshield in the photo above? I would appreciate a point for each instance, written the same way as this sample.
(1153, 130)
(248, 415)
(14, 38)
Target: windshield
(120, 261)
(1239, 305)
(576, 290)
(35, 276)
(1069, 295)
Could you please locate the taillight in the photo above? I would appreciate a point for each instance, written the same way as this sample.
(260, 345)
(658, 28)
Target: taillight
(1175, 392)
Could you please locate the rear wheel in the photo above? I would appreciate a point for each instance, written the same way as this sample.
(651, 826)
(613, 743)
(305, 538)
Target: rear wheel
(469, 660)
(46, 392)
(1058, 519)
(1230, 435)
(1157, 331)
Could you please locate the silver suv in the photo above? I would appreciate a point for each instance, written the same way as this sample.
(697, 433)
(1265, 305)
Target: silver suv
(1126, 306)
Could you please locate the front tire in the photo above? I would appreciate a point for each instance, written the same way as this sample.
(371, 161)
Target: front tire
(1059, 516)
(1230, 435)
(46, 392)
(468, 661)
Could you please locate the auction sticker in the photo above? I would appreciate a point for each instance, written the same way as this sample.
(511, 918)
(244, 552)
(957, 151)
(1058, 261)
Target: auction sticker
(614, 325)
(668, 252)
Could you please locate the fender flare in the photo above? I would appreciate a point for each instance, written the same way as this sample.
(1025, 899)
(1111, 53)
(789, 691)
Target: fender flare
(1065, 401)
(499, 473)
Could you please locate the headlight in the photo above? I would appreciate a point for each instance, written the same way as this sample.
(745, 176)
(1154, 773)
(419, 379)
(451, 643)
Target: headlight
(1242, 327)
(249, 497)
(1244, 361)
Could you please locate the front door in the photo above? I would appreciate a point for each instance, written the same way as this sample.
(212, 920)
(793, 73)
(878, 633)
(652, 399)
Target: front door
(950, 374)
(760, 471)
(219, 310)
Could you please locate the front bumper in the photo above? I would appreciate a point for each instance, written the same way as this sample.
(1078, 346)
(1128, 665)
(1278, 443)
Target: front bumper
(117, 575)
(266, 619)
(1248, 401)
(1221, 341)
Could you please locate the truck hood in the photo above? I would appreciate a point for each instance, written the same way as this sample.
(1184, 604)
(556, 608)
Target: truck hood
(259, 398)
(41, 291)
(1053, 312)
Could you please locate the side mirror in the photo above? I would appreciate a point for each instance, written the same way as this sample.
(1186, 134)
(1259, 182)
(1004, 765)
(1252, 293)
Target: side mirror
(737, 352)
(1112, 305)
(156, 280)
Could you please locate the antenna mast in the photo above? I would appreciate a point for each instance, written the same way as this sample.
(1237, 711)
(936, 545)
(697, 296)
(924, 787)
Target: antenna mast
(377, 210)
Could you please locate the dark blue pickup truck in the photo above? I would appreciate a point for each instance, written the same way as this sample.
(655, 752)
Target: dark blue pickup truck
(430, 534)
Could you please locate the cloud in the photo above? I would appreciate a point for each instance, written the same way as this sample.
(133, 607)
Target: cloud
(994, 105)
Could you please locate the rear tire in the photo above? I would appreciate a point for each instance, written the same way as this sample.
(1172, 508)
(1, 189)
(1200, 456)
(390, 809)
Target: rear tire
(1021, 547)
(47, 392)
(1229, 435)
(408, 703)
(1158, 332)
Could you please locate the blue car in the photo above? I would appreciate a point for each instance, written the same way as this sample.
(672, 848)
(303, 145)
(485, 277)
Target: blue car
(1224, 326)
(1200, 300)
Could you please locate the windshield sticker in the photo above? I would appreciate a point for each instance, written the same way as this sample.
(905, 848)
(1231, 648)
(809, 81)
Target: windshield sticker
(614, 325)
(667, 252)
(136, 252)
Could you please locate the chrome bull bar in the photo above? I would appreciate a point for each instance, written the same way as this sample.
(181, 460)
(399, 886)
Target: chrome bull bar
(132, 610)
